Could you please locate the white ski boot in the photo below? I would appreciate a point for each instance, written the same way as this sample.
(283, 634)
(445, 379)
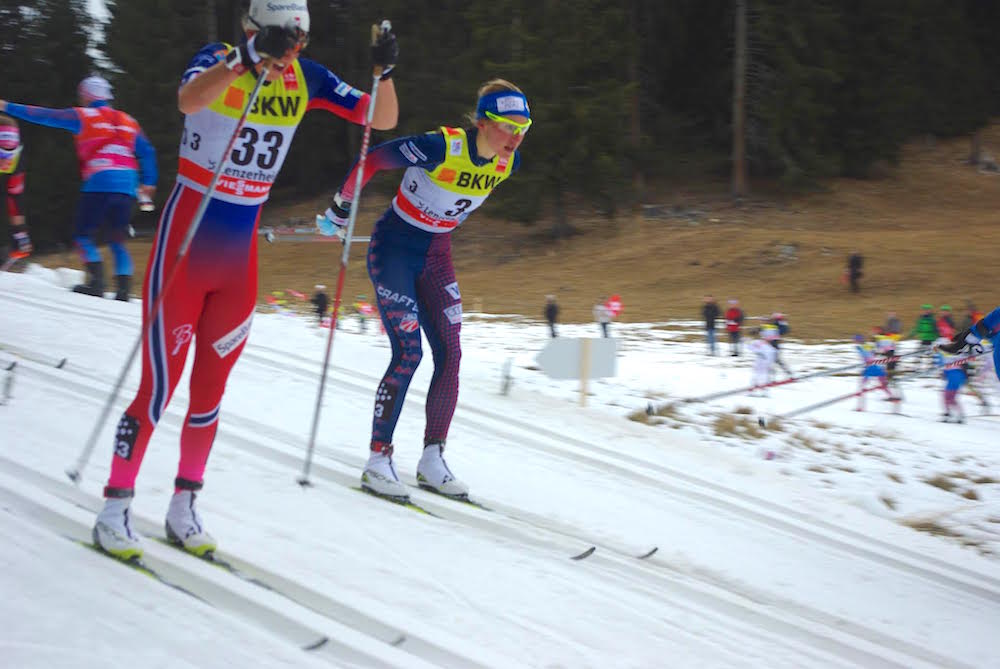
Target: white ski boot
(184, 526)
(433, 473)
(113, 530)
(380, 478)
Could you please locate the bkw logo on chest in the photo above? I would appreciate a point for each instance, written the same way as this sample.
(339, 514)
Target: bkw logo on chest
(276, 106)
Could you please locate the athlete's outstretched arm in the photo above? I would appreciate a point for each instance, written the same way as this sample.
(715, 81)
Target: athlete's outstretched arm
(386, 114)
(328, 92)
(64, 119)
(425, 151)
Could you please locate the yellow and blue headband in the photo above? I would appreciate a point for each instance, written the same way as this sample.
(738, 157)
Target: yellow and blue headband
(503, 103)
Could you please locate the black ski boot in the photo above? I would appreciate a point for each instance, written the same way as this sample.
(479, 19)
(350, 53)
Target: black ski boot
(124, 283)
(95, 280)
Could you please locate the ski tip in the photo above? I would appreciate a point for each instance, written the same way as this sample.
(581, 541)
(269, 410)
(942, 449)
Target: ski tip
(585, 554)
(399, 641)
(61, 363)
(318, 643)
(10, 367)
(649, 554)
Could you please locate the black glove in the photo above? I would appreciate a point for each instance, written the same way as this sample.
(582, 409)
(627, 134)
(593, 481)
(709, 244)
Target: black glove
(275, 41)
(271, 41)
(333, 223)
(385, 49)
(966, 340)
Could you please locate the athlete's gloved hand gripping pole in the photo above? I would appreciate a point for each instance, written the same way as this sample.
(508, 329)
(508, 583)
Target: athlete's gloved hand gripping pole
(81, 462)
(384, 53)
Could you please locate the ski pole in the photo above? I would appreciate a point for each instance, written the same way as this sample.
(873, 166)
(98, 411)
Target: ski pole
(150, 316)
(352, 217)
(651, 409)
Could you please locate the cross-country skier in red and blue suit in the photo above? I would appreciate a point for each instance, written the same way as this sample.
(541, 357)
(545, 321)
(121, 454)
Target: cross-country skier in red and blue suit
(114, 157)
(449, 173)
(208, 294)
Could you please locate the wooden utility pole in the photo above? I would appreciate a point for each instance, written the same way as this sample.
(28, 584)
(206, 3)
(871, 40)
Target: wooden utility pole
(739, 101)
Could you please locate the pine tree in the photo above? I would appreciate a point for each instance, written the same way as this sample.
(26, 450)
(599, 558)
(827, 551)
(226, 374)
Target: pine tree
(150, 43)
(45, 57)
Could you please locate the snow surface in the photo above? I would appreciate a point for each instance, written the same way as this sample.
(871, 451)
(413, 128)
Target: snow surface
(834, 538)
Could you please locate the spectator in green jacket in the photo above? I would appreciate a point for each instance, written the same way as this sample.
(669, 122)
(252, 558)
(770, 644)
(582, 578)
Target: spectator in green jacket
(926, 331)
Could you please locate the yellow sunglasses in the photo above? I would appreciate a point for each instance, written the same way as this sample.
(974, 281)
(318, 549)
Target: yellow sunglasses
(510, 126)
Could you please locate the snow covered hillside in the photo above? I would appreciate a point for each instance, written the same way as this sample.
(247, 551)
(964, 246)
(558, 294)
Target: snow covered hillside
(832, 539)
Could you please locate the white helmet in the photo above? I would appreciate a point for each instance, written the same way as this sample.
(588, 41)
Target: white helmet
(95, 88)
(285, 13)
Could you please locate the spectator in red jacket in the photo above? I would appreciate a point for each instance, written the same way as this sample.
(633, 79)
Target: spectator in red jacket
(734, 321)
(945, 322)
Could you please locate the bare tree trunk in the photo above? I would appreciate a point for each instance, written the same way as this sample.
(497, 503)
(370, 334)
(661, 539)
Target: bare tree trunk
(211, 22)
(739, 97)
(635, 135)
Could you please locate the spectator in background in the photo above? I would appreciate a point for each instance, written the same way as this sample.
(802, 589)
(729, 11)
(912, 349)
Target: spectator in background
(854, 263)
(551, 313)
(734, 321)
(945, 322)
(893, 325)
(320, 301)
(602, 314)
(363, 310)
(925, 330)
(972, 316)
(710, 312)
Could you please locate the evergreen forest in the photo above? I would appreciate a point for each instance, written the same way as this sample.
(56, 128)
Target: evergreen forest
(625, 94)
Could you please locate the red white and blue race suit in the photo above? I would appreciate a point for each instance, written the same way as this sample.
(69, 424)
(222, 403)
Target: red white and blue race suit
(410, 265)
(211, 296)
(114, 156)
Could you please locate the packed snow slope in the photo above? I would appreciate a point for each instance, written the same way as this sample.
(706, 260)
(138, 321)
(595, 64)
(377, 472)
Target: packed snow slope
(798, 545)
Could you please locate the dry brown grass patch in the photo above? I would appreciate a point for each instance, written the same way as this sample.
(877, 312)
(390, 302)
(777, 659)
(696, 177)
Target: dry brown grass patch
(736, 426)
(931, 527)
(804, 440)
(943, 482)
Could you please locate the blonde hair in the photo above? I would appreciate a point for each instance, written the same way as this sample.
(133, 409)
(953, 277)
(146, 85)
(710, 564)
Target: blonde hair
(492, 86)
